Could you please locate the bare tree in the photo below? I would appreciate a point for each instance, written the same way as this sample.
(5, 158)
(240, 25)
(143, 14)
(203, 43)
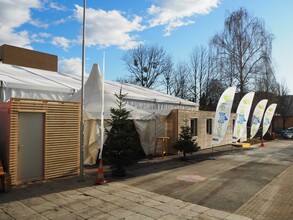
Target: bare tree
(198, 66)
(266, 81)
(168, 74)
(180, 85)
(147, 64)
(242, 47)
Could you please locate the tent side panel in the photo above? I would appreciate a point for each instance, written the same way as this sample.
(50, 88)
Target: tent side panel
(4, 134)
(61, 138)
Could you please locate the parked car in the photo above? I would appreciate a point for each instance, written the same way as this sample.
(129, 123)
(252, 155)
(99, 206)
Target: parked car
(288, 133)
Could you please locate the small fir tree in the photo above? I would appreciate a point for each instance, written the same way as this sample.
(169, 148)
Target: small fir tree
(120, 145)
(186, 143)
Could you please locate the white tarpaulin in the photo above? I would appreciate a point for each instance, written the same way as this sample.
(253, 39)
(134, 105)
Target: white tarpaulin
(24, 82)
(93, 110)
(257, 117)
(149, 130)
(222, 115)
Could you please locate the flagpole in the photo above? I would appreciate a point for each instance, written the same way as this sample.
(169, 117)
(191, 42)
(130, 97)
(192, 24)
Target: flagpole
(82, 95)
(103, 106)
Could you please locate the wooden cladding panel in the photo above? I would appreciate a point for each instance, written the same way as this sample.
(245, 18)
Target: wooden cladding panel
(61, 138)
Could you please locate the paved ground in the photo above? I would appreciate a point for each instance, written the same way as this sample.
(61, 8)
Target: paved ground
(250, 184)
(256, 183)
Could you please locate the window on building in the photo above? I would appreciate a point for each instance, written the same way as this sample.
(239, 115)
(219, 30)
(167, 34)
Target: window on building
(193, 125)
(209, 126)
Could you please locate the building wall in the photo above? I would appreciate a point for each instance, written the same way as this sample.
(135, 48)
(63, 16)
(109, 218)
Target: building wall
(203, 138)
(278, 122)
(28, 58)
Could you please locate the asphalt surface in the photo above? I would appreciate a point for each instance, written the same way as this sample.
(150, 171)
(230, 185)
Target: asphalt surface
(230, 180)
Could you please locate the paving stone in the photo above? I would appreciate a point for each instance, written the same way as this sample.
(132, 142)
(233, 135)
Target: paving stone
(55, 213)
(35, 216)
(107, 207)
(74, 207)
(236, 217)
(89, 212)
(92, 201)
(216, 213)
(58, 199)
(33, 201)
(110, 198)
(153, 213)
(18, 210)
(168, 208)
(96, 193)
(5, 216)
(171, 217)
(125, 203)
(162, 198)
(121, 213)
(189, 214)
(151, 203)
(137, 216)
(44, 207)
(197, 208)
(104, 216)
(70, 216)
(178, 203)
(205, 217)
(137, 208)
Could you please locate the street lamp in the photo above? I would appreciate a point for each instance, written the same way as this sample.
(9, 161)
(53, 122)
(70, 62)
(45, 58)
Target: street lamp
(82, 95)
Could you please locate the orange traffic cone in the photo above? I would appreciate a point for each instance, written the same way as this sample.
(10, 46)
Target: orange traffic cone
(262, 143)
(100, 175)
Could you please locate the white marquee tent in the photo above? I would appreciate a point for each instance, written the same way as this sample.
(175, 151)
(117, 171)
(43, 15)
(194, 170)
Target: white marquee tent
(149, 108)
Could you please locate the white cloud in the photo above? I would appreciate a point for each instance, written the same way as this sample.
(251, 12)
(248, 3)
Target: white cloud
(57, 7)
(175, 13)
(21, 14)
(70, 66)
(38, 23)
(61, 42)
(109, 28)
(60, 21)
(40, 37)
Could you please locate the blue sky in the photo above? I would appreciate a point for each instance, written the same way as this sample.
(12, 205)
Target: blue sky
(114, 26)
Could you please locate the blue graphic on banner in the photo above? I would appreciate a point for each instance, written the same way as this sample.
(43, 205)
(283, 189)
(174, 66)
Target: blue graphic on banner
(267, 121)
(241, 119)
(222, 117)
(255, 120)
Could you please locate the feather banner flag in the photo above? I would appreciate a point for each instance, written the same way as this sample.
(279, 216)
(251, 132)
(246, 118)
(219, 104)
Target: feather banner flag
(268, 118)
(257, 117)
(242, 115)
(222, 115)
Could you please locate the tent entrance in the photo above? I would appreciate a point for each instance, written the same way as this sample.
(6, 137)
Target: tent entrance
(30, 146)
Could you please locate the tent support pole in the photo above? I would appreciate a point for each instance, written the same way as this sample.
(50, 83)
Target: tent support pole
(82, 96)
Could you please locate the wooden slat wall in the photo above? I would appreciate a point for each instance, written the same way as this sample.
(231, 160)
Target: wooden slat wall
(4, 134)
(61, 138)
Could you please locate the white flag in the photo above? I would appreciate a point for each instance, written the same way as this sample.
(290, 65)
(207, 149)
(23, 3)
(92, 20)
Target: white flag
(242, 115)
(257, 117)
(222, 116)
(268, 118)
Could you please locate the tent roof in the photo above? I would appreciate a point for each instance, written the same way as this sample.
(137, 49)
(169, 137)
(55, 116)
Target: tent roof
(13, 76)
